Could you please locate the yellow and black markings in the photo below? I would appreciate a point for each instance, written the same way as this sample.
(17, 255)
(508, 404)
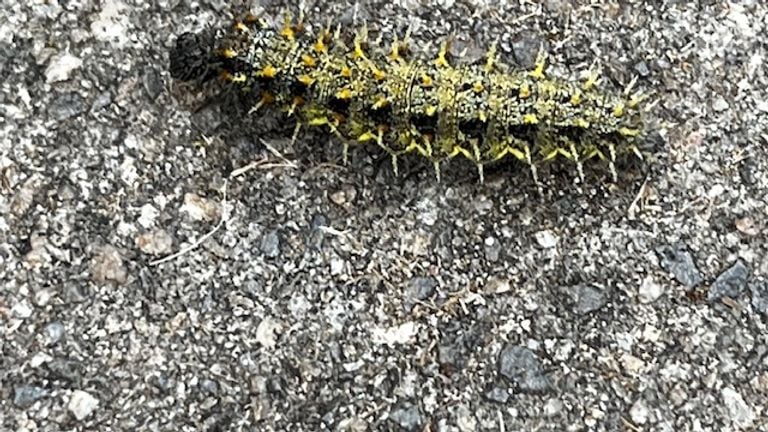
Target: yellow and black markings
(433, 108)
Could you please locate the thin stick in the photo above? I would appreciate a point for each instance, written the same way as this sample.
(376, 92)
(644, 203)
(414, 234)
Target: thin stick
(206, 236)
(225, 215)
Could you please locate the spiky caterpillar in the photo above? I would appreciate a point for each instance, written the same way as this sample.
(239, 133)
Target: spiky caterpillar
(366, 94)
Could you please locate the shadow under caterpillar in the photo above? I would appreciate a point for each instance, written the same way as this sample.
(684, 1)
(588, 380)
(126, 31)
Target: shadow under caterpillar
(364, 93)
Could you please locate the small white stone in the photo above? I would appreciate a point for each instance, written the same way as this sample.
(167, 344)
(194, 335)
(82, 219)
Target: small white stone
(61, 67)
(716, 191)
(546, 239)
(82, 404)
(397, 335)
(497, 286)
(649, 290)
(639, 412)
(112, 23)
(553, 407)
(39, 359)
(465, 420)
(157, 242)
(632, 364)
(337, 266)
(741, 414)
(199, 208)
(720, 104)
(266, 332)
(148, 215)
(22, 310)
(129, 174)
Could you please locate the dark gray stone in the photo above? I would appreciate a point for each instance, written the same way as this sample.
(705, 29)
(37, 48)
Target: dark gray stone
(498, 395)
(317, 235)
(731, 283)
(642, 69)
(24, 396)
(521, 366)
(449, 355)
(69, 370)
(153, 83)
(270, 244)
(587, 298)
(421, 288)
(66, 106)
(103, 100)
(407, 417)
(678, 261)
(526, 49)
(759, 292)
(209, 386)
(748, 171)
(418, 289)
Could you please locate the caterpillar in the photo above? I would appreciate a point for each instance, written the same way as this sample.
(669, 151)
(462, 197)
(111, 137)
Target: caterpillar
(363, 93)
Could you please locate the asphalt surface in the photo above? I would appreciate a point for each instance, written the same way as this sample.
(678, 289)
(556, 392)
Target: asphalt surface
(168, 263)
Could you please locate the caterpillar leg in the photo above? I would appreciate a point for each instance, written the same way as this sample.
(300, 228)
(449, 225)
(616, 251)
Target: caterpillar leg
(258, 106)
(612, 162)
(478, 161)
(540, 66)
(333, 127)
(524, 156)
(592, 78)
(532, 166)
(295, 134)
(575, 158)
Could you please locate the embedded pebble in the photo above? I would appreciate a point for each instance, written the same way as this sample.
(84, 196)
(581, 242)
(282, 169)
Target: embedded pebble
(492, 249)
(546, 239)
(157, 242)
(759, 290)
(26, 395)
(66, 106)
(82, 404)
(731, 283)
(587, 298)
(639, 412)
(521, 366)
(153, 83)
(720, 104)
(61, 67)
(199, 208)
(498, 395)
(22, 310)
(54, 332)
(418, 289)
(107, 266)
(649, 290)
(642, 69)
(741, 414)
(465, 420)
(678, 261)
(553, 407)
(270, 244)
(407, 417)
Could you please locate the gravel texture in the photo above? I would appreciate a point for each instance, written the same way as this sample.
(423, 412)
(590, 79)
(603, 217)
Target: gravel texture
(344, 298)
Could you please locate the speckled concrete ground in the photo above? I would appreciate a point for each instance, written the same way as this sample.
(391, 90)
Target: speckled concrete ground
(346, 299)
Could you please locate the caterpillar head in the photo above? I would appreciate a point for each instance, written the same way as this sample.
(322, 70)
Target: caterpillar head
(192, 57)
